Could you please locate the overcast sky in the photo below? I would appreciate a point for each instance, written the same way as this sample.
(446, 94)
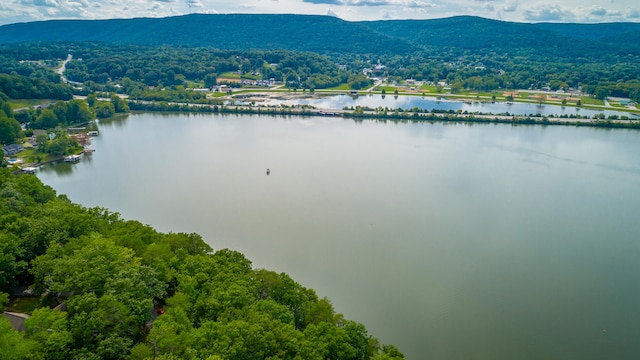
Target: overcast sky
(584, 11)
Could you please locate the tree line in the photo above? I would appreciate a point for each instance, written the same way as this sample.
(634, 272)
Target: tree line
(18, 86)
(112, 288)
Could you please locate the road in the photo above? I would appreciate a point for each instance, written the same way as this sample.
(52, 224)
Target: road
(61, 69)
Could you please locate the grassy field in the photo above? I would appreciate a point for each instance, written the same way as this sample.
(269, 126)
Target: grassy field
(388, 89)
(31, 155)
(429, 88)
(23, 103)
(230, 75)
(235, 75)
(341, 87)
(24, 304)
(588, 100)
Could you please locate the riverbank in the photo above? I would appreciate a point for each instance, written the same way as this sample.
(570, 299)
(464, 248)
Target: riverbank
(363, 113)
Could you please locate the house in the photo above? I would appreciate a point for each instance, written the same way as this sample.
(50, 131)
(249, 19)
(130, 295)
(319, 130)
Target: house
(16, 320)
(10, 150)
(32, 139)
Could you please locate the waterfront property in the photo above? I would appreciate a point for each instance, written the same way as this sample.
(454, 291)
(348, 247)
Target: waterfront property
(449, 240)
(12, 149)
(72, 158)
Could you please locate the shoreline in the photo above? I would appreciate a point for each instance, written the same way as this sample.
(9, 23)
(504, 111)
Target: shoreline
(363, 113)
(261, 95)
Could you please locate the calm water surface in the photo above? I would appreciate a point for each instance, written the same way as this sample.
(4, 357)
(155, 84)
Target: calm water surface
(430, 103)
(450, 241)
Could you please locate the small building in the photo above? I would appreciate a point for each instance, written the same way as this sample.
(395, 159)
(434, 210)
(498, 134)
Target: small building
(72, 158)
(10, 150)
(16, 319)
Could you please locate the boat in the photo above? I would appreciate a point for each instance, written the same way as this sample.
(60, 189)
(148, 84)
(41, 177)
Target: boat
(72, 158)
(29, 170)
(92, 133)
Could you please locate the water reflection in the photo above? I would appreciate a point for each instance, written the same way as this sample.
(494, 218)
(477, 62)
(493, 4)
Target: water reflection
(451, 241)
(430, 103)
(60, 168)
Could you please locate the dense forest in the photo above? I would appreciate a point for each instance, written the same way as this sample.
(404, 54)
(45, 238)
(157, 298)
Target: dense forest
(10, 129)
(116, 289)
(133, 69)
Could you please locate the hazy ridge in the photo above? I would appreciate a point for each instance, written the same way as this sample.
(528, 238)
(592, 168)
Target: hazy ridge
(330, 35)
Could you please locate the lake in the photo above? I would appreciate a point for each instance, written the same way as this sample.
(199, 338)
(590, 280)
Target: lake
(450, 241)
(429, 103)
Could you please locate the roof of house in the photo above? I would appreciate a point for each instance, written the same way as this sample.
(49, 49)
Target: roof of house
(13, 146)
(16, 319)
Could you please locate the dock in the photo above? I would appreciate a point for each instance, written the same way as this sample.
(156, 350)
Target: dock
(72, 158)
(29, 170)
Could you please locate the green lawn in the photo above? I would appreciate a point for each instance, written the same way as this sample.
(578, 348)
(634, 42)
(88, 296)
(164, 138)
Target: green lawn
(195, 84)
(22, 103)
(341, 87)
(230, 75)
(388, 89)
(30, 155)
(24, 304)
(234, 75)
(588, 100)
(429, 88)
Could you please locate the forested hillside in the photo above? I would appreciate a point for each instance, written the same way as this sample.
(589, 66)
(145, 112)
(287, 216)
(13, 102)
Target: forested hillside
(321, 34)
(466, 34)
(117, 289)
(330, 35)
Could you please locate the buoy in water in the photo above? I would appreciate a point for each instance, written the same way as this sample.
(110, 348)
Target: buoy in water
(268, 171)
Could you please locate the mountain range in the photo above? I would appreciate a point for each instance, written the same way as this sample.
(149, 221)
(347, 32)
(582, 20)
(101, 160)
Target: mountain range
(330, 35)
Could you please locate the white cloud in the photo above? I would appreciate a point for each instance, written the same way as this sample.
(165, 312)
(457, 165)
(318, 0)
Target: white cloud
(597, 11)
(633, 14)
(194, 3)
(78, 3)
(45, 3)
(547, 12)
(374, 3)
(510, 6)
